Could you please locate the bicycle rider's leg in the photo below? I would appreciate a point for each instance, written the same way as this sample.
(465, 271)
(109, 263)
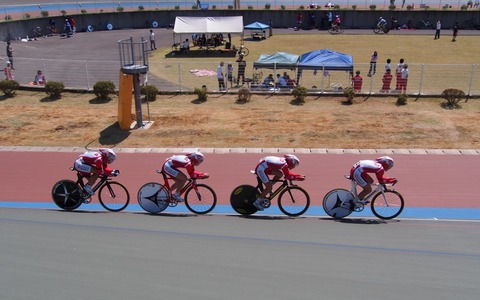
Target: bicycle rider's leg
(179, 179)
(85, 168)
(261, 173)
(363, 180)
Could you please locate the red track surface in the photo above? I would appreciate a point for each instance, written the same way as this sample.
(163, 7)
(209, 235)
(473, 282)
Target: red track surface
(424, 180)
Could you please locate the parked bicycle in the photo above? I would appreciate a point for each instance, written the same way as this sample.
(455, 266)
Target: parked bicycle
(386, 203)
(154, 197)
(292, 200)
(335, 29)
(69, 195)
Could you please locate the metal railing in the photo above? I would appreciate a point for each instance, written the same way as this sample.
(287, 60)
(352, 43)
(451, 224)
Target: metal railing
(176, 76)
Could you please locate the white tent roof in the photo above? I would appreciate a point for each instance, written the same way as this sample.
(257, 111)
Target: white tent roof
(208, 24)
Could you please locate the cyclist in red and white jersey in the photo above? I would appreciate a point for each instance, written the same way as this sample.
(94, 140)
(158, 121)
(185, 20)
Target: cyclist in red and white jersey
(379, 166)
(278, 167)
(93, 164)
(188, 162)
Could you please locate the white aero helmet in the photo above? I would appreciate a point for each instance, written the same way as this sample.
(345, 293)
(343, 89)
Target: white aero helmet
(292, 160)
(108, 154)
(386, 162)
(196, 157)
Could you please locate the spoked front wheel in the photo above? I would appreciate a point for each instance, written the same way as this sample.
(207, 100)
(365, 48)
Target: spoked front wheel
(67, 195)
(153, 197)
(293, 201)
(200, 200)
(332, 203)
(113, 196)
(387, 205)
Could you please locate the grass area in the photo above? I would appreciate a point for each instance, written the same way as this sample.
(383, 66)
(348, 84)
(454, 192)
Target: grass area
(322, 122)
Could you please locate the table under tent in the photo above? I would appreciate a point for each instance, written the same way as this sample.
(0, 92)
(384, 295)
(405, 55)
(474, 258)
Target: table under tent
(273, 63)
(258, 31)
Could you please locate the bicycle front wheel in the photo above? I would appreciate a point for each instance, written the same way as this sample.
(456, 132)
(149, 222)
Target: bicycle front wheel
(331, 31)
(293, 201)
(387, 205)
(113, 196)
(153, 197)
(376, 30)
(245, 51)
(200, 200)
(332, 203)
(67, 195)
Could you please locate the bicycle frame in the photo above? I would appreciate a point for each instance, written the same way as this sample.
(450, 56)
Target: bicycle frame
(80, 177)
(274, 193)
(166, 183)
(379, 188)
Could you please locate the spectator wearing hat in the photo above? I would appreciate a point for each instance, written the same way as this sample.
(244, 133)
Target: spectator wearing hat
(242, 64)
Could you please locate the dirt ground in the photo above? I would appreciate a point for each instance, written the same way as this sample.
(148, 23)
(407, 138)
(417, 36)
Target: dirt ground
(32, 119)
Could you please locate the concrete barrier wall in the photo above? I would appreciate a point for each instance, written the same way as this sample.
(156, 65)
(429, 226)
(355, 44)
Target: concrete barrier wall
(356, 19)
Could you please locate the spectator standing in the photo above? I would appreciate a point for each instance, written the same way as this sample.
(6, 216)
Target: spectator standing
(242, 64)
(437, 30)
(455, 32)
(357, 81)
(388, 67)
(72, 25)
(398, 73)
(373, 64)
(185, 46)
(10, 54)
(386, 80)
(230, 74)
(152, 40)
(404, 77)
(221, 77)
(8, 72)
(299, 21)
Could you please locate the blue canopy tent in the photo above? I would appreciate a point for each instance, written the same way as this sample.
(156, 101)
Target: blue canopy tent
(258, 30)
(279, 60)
(324, 60)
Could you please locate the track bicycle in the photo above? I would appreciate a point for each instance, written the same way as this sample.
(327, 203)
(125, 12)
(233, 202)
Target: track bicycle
(379, 28)
(293, 200)
(243, 50)
(386, 203)
(69, 195)
(154, 197)
(335, 29)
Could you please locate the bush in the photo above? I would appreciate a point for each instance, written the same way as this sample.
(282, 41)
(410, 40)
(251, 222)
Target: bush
(9, 87)
(392, 7)
(453, 96)
(214, 7)
(250, 7)
(354, 7)
(195, 7)
(177, 7)
(409, 7)
(83, 11)
(349, 94)
(150, 92)
(27, 16)
(402, 99)
(140, 7)
(268, 6)
(103, 89)
(54, 89)
(373, 7)
(230, 7)
(44, 13)
(120, 9)
(299, 93)
(63, 12)
(8, 18)
(282, 7)
(244, 95)
(201, 93)
(301, 7)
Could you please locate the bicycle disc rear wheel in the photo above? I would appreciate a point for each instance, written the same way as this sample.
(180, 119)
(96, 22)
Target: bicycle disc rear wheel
(153, 197)
(332, 203)
(67, 195)
(113, 196)
(201, 200)
(293, 201)
(388, 205)
(242, 199)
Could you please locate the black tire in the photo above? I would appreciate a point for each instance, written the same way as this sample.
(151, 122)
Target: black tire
(153, 197)
(376, 30)
(332, 203)
(245, 51)
(389, 209)
(113, 196)
(242, 198)
(340, 30)
(331, 31)
(67, 195)
(201, 200)
(293, 201)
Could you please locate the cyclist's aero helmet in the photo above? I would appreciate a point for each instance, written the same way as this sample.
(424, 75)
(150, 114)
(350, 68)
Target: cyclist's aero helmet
(386, 162)
(108, 154)
(196, 157)
(292, 160)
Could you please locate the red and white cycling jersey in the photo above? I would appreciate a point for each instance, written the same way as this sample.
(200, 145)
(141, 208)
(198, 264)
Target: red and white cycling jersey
(270, 163)
(172, 164)
(362, 167)
(93, 159)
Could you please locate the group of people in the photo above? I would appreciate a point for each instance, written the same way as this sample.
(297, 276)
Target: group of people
(39, 78)
(401, 75)
(282, 81)
(229, 73)
(93, 164)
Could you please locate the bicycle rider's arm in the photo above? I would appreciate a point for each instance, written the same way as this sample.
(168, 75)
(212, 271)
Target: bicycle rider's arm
(290, 175)
(382, 179)
(195, 174)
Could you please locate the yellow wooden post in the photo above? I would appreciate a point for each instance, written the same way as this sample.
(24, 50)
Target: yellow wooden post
(125, 101)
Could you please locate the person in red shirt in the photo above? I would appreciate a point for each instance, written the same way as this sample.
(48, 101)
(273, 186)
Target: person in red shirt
(278, 167)
(357, 81)
(360, 174)
(386, 80)
(188, 162)
(93, 164)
